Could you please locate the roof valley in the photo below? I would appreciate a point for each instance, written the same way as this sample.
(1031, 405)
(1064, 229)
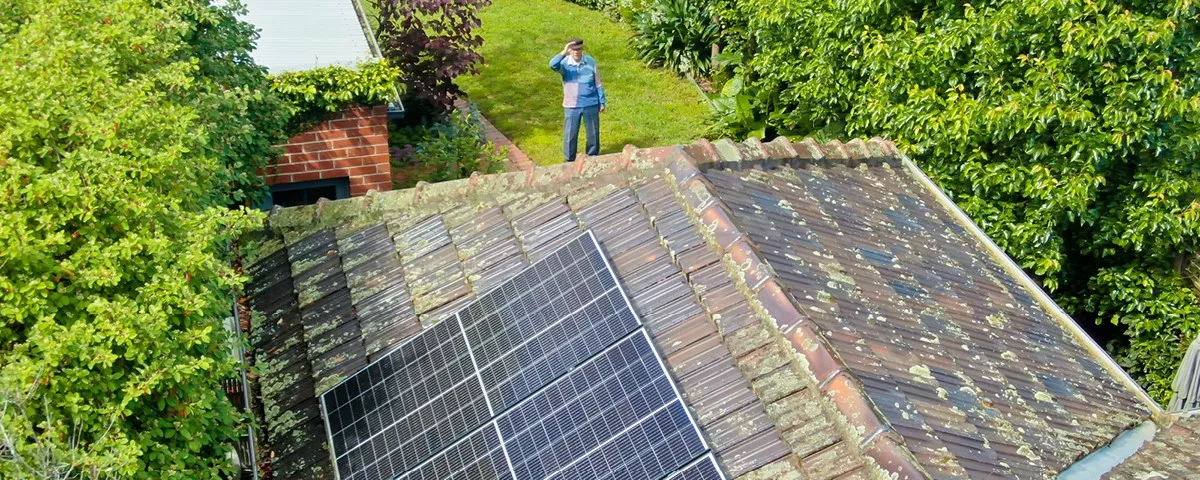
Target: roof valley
(638, 224)
(748, 441)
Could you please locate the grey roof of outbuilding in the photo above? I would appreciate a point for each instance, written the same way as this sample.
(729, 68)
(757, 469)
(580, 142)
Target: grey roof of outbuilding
(297, 35)
(827, 312)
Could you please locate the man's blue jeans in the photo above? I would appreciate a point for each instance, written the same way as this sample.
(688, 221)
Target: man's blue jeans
(591, 123)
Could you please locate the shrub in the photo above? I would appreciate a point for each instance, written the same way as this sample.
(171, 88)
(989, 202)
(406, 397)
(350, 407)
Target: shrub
(599, 5)
(124, 136)
(432, 42)
(244, 120)
(450, 148)
(1067, 130)
(623, 10)
(676, 33)
(310, 95)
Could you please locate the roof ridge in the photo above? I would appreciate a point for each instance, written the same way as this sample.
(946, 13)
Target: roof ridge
(375, 204)
(870, 432)
(731, 155)
(723, 153)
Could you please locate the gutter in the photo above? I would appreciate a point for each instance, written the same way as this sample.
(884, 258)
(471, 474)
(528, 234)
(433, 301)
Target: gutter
(366, 26)
(374, 46)
(1099, 353)
(241, 357)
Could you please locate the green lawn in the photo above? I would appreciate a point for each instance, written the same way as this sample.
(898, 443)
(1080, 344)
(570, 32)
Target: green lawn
(519, 93)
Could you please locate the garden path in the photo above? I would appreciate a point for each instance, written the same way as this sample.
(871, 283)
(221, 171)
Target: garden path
(517, 160)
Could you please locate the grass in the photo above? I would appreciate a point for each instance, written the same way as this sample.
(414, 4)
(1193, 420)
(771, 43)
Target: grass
(519, 93)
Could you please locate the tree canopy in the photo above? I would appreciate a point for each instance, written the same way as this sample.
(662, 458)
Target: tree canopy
(1067, 129)
(127, 128)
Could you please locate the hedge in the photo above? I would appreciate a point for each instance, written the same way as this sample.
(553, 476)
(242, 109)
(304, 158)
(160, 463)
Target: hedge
(127, 129)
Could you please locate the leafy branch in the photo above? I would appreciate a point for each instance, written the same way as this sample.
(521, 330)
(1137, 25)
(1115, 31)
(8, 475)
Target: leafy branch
(311, 94)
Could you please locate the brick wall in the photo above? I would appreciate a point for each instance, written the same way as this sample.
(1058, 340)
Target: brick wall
(351, 143)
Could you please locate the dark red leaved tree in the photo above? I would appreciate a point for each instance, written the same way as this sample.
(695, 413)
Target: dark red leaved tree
(433, 42)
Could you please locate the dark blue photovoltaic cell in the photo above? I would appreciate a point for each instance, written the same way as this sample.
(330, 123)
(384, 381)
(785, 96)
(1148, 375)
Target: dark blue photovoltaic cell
(406, 407)
(651, 448)
(477, 457)
(703, 469)
(546, 321)
(616, 416)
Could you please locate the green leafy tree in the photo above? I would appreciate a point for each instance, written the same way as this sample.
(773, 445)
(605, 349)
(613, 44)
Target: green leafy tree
(127, 127)
(1067, 129)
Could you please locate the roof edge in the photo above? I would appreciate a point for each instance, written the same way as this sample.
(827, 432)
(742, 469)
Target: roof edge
(1157, 413)
(770, 299)
(368, 32)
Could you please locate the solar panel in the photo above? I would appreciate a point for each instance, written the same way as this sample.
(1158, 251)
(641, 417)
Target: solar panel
(479, 456)
(545, 321)
(704, 468)
(616, 416)
(406, 407)
(550, 375)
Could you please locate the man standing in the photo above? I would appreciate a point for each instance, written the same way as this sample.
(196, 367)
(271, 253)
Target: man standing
(583, 97)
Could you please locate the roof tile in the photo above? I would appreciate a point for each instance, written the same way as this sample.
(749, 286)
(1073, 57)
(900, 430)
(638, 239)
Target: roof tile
(749, 455)
(832, 462)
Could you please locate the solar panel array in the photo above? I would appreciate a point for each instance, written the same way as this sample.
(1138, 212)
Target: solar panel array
(550, 375)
